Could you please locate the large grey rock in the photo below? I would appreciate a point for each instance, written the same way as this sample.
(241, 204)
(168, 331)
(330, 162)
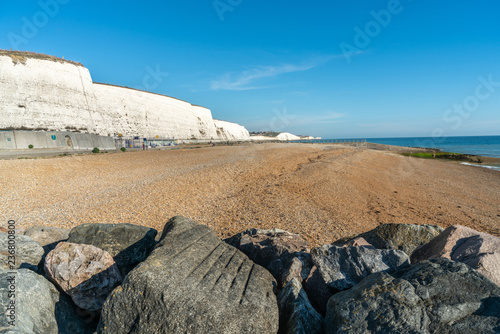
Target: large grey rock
(340, 268)
(478, 250)
(192, 283)
(28, 253)
(39, 307)
(284, 254)
(437, 296)
(128, 244)
(403, 237)
(47, 235)
(297, 316)
(86, 273)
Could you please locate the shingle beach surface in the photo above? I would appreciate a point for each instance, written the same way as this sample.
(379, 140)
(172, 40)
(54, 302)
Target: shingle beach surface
(322, 192)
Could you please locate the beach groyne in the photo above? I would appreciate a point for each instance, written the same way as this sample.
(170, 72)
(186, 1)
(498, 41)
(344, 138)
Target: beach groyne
(42, 93)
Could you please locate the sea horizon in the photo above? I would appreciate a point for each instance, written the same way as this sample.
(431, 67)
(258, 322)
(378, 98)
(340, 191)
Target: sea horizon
(488, 146)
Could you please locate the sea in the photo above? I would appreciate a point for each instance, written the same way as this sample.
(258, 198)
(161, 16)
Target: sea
(488, 146)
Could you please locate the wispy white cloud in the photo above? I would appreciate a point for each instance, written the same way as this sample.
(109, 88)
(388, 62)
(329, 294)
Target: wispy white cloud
(246, 80)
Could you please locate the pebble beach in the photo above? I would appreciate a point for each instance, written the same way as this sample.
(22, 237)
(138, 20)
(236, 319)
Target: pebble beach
(322, 192)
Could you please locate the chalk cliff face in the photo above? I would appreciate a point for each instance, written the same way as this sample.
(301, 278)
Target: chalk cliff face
(231, 131)
(137, 113)
(50, 95)
(38, 94)
(287, 136)
(283, 136)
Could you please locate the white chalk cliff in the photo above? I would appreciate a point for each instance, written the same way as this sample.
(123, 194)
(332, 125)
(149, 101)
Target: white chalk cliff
(283, 136)
(230, 131)
(287, 136)
(43, 94)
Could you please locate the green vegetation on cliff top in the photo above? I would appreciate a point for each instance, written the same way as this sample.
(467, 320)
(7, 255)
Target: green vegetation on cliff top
(20, 57)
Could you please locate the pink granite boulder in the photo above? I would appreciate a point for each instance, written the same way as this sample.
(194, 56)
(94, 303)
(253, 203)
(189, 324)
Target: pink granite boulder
(86, 273)
(478, 250)
(358, 242)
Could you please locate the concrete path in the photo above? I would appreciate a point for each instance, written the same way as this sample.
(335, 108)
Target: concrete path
(42, 152)
(51, 152)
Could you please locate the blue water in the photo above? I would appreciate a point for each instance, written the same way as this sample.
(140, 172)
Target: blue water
(488, 146)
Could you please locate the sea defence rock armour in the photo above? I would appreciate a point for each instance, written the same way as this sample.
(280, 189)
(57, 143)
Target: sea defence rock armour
(437, 296)
(193, 283)
(128, 244)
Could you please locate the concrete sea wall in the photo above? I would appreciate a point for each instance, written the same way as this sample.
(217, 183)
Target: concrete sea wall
(17, 140)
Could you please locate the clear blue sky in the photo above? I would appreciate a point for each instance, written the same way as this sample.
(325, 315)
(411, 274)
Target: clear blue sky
(281, 65)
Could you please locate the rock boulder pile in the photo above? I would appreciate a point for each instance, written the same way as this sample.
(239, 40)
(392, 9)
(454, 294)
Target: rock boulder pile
(39, 306)
(459, 243)
(86, 273)
(128, 244)
(403, 237)
(193, 283)
(101, 278)
(440, 296)
(340, 268)
(28, 253)
(297, 315)
(284, 254)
